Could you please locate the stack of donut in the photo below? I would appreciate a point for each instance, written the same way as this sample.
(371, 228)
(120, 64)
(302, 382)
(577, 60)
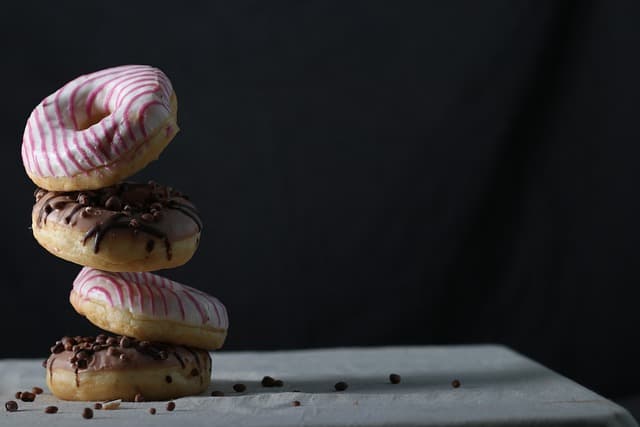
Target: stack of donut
(79, 144)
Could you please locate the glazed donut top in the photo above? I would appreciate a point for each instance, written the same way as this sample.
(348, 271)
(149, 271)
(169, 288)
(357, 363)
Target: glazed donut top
(148, 295)
(126, 208)
(93, 120)
(117, 352)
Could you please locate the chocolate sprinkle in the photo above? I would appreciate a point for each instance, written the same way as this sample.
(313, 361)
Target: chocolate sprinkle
(11, 406)
(37, 390)
(239, 387)
(394, 379)
(171, 406)
(98, 405)
(51, 409)
(87, 413)
(217, 393)
(455, 383)
(296, 403)
(341, 386)
(152, 411)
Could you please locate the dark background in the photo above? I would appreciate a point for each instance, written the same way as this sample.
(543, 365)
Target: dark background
(369, 173)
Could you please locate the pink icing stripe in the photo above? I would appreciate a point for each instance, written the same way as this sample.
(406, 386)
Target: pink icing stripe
(67, 151)
(126, 111)
(42, 140)
(94, 93)
(141, 115)
(104, 292)
(196, 305)
(54, 143)
(179, 302)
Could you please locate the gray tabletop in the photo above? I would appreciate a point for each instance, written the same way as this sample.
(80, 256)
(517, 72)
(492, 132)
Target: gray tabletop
(497, 387)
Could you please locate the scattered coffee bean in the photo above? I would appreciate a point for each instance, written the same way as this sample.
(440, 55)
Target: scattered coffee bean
(217, 393)
(168, 379)
(341, 386)
(239, 387)
(125, 342)
(87, 413)
(394, 379)
(36, 390)
(58, 348)
(83, 199)
(18, 394)
(27, 396)
(113, 203)
(97, 405)
(267, 381)
(11, 406)
(455, 383)
(112, 341)
(51, 409)
(278, 383)
(171, 406)
(152, 411)
(296, 403)
(138, 398)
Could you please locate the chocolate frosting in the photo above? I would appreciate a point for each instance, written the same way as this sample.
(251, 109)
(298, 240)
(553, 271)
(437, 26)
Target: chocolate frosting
(123, 209)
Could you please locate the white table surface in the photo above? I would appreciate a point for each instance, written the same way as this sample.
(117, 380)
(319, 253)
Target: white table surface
(499, 388)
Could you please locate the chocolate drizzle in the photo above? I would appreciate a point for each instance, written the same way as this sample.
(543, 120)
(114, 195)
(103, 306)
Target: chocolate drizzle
(139, 208)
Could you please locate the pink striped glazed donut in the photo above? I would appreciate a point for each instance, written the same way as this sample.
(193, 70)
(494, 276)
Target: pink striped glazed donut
(100, 128)
(150, 307)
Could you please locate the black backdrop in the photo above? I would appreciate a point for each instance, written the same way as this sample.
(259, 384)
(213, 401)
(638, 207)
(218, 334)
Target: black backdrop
(369, 173)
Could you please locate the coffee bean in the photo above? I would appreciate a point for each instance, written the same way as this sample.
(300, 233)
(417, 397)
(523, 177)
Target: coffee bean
(51, 409)
(83, 199)
(101, 339)
(87, 413)
(168, 379)
(171, 406)
(112, 341)
(455, 383)
(36, 390)
(239, 387)
(27, 396)
(11, 406)
(97, 405)
(83, 355)
(152, 411)
(125, 342)
(18, 394)
(124, 357)
(217, 393)
(296, 403)
(341, 386)
(267, 381)
(394, 379)
(138, 398)
(113, 203)
(58, 348)
(146, 217)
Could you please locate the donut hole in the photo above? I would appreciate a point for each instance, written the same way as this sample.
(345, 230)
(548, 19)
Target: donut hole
(94, 118)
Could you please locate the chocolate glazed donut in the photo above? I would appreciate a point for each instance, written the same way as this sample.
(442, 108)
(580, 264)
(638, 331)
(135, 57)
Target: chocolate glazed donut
(119, 367)
(125, 227)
